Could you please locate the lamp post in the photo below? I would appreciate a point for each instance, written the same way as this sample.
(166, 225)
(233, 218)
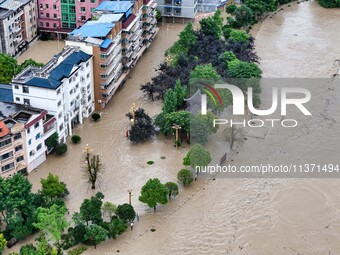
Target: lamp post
(133, 111)
(88, 150)
(130, 195)
(176, 127)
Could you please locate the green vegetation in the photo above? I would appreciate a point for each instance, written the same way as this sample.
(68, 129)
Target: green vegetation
(185, 177)
(9, 67)
(141, 128)
(76, 139)
(3, 243)
(197, 156)
(95, 116)
(52, 141)
(77, 251)
(172, 189)
(329, 3)
(153, 193)
(126, 212)
(150, 162)
(60, 148)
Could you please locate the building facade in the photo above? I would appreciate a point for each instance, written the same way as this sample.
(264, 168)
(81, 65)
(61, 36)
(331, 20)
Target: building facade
(23, 131)
(17, 25)
(116, 37)
(175, 9)
(62, 16)
(63, 87)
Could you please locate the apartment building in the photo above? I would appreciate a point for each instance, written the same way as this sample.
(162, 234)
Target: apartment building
(116, 37)
(23, 131)
(62, 16)
(17, 25)
(63, 87)
(178, 9)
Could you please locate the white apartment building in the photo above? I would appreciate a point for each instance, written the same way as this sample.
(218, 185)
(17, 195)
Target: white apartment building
(63, 87)
(17, 25)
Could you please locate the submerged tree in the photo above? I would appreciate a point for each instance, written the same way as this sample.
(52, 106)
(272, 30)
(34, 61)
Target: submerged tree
(154, 192)
(92, 167)
(233, 134)
(142, 128)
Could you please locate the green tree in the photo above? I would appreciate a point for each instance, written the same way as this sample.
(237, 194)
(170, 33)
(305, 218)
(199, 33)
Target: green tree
(329, 3)
(109, 209)
(180, 94)
(142, 128)
(231, 8)
(153, 193)
(212, 26)
(241, 69)
(8, 66)
(78, 233)
(197, 156)
(53, 188)
(170, 102)
(227, 57)
(52, 221)
(243, 16)
(90, 209)
(115, 227)
(95, 234)
(172, 189)
(42, 246)
(52, 141)
(166, 121)
(126, 212)
(26, 63)
(17, 206)
(199, 131)
(239, 36)
(60, 148)
(3, 243)
(185, 177)
(28, 249)
(206, 72)
(233, 134)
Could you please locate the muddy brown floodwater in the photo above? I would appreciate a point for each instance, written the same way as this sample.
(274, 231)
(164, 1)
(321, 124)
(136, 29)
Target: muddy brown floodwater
(228, 216)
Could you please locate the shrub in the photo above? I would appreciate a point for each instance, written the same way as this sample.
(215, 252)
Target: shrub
(150, 162)
(184, 177)
(60, 148)
(76, 139)
(77, 251)
(95, 116)
(126, 212)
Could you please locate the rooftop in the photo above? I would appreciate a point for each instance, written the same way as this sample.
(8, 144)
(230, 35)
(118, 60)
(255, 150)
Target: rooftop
(50, 76)
(6, 93)
(13, 5)
(4, 130)
(93, 28)
(110, 17)
(115, 6)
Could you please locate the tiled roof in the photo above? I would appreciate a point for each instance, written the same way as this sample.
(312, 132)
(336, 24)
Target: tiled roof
(6, 93)
(115, 6)
(62, 70)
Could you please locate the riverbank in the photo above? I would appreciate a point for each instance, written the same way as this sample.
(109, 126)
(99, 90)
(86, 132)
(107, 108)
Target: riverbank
(266, 216)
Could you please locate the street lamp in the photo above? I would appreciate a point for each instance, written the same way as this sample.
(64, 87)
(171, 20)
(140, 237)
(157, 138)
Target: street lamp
(177, 127)
(130, 195)
(133, 110)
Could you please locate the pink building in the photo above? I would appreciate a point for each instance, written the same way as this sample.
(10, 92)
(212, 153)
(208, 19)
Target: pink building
(58, 17)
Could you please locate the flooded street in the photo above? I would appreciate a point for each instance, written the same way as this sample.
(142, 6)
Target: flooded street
(267, 216)
(227, 216)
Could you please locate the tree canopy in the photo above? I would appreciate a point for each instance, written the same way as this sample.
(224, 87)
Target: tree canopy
(153, 193)
(142, 129)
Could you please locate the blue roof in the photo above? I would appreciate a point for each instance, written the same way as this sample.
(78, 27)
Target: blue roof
(93, 29)
(6, 93)
(115, 6)
(63, 70)
(106, 43)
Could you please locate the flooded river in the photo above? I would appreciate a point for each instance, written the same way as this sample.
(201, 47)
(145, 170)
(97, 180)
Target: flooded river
(267, 216)
(228, 216)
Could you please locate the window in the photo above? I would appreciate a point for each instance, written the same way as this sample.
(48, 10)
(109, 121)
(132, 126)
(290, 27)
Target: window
(88, 75)
(102, 66)
(47, 15)
(41, 6)
(60, 115)
(32, 153)
(17, 136)
(47, 24)
(178, 10)
(71, 91)
(103, 56)
(25, 89)
(29, 141)
(82, 9)
(167, 10)
(58, 91)
(7, 167)
(39, 147)
(59, 103)
(17, 99)
(82, 1)
(92, 1)
(83, 18)
(55, 15)
(5, 142)
(36, 125)
(27, 101)
(19, 159)
(28, 131)
(89, 98)
(70, 80)
(87, 64)
(37, 137)
(18, 148)
(46, 5)
(16, 86)
(60, 127)
(54, 7)
(103, 76)
(93, 9)
(54, 25)
(6, 155)
(41, 24)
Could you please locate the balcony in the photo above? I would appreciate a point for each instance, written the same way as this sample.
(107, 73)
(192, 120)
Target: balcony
(49, 126)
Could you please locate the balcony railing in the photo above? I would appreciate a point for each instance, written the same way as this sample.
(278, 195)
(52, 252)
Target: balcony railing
(49, 124)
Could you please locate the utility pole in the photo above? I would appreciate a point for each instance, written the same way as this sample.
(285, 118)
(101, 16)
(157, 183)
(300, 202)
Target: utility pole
(176, 127)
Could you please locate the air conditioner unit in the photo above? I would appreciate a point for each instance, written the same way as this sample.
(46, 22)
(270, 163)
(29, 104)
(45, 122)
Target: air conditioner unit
(100, 101)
